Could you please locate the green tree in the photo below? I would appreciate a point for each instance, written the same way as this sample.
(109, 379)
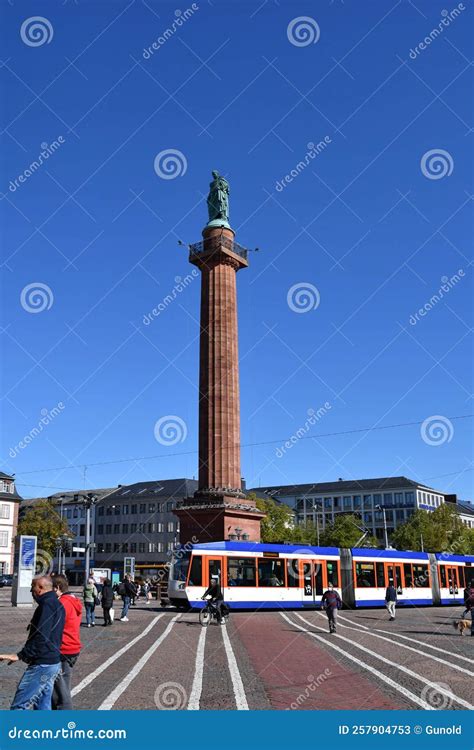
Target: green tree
(346, 531)
(43, 520)
(440, 530)
(278, 524)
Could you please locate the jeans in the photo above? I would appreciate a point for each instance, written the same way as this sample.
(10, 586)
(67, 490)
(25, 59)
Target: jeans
(332, 618)
(90, 615)
(391, 608)
(35, 688)
(126, 605)
(61, 698)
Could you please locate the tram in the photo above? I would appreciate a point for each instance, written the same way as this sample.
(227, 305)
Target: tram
(284, 576)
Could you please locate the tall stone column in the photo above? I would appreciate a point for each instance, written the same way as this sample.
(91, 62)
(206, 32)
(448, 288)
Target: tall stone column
(219, 506)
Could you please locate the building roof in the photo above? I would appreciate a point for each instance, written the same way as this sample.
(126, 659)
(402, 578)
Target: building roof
(68, 498)
(465, 508)
(13, 497)
(352, 485)
(164, 488)
(5, 476)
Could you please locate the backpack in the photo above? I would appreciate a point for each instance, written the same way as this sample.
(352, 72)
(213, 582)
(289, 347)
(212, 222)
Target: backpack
(121, 591)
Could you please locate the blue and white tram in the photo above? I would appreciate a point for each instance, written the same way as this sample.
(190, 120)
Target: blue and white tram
(372, 569)
(455, 573)
(251, 575)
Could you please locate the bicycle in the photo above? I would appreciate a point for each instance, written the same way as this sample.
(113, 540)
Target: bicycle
(209, 613)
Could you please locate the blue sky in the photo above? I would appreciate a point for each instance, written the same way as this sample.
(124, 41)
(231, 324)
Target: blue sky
(373, 222)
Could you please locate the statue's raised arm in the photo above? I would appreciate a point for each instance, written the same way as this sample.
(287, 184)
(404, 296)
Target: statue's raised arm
(218, 201)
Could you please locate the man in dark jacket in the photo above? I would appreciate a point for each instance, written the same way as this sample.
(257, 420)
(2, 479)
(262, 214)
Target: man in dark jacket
(42, 650)
(127, 591)
(331, 602)
(107, 598)
(391, 599)
(70, 644)
(214, 592)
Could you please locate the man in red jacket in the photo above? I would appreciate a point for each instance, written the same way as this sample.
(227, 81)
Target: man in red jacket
(70, 645)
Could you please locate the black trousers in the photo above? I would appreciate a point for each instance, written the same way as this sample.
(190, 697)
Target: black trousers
(107, 619)
(61, 699)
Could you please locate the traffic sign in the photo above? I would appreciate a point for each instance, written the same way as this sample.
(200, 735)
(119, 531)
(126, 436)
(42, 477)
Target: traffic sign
(78, 549)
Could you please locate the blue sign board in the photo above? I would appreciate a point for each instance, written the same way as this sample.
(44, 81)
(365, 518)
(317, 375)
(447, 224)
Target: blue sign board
(27, 552)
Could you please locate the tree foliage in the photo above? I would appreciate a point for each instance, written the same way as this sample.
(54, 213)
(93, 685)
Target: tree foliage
(346, 531)
(440, 530)
(43, 520)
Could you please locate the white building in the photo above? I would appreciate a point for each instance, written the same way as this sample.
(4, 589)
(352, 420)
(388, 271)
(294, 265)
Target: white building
(9, 503)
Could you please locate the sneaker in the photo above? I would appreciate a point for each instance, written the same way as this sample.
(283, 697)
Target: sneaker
(124, 619)
(222, 622)
(88, 626)
(93, 624)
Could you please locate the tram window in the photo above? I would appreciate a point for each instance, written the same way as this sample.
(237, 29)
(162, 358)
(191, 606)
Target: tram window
(241, 571)
(442, 575)
(365, 574)
(332, 573)
(195, 574)
(271, 573)
(180, 566)
(408, 574)
(461, 577)
(420, 575)
(292, 575)
(380, 575)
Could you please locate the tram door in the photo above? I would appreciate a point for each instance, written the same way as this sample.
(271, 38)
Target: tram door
(452, 576)
(395, 574)
(214, 569)
(312, 580)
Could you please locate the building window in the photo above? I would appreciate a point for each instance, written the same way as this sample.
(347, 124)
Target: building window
(387, 498)
(116, 547)
(328, 503)
(100, 547)
(160, 528)
(170, 527)
(125, 528)
(169, 507)
(108, 547)
(133, 528)
(151, 508)
(142, 507)
(108, 528)
(347, 502)
(116, 510)
(398, 496)
(151, 528)
(133, 510)
(82, 529)
(389, 515)
(100, 529)
(367, 501)
(133, 547)
(3, 538)
(409, 498)
(151, 547)
(116, 528)
(4, 511)
(400, 515)
(160, 547)
(141, 546)
(125, 510)
(125, 547)
(170, 546)
(368, 517)
(357, 502)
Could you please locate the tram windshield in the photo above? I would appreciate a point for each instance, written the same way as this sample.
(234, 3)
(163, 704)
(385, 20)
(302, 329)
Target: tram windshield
(180, 565)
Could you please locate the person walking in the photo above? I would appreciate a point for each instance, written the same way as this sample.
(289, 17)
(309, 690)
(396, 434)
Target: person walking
(391, 599)
(70, 644)
(127, 591)
(331, 602)
(107, 598)
(42, 650)
(91, 598)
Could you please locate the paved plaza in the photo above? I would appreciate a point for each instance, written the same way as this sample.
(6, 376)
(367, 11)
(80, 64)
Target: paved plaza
(163, 659)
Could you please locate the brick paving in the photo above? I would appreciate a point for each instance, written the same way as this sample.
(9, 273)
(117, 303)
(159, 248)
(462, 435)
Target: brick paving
(278, 665)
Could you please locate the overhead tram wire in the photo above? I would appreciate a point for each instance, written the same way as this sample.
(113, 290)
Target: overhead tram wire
(242, 445)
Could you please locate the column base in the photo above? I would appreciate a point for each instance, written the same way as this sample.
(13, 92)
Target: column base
(214, 518)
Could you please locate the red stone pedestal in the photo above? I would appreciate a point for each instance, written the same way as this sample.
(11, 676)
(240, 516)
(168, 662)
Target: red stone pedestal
(215, 519)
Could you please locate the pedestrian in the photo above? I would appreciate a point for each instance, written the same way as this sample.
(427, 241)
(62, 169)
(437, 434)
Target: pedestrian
(146, 590)
(391, 599)
(331, 602)
(467, 604)
(42, 650)
(127, 591)
(70, 644)
(107, 598)
(91, 598)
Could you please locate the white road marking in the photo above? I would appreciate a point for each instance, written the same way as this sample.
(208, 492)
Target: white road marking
(90, 677)
(439, 688)
(407, 638)
(239, 692)
(376, 634)
(407, 693)
(196, 689)
(122, 686)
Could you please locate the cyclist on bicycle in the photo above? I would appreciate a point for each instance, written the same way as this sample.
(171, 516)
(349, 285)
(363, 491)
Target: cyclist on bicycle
(214, 592)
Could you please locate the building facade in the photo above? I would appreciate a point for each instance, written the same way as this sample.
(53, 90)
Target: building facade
(9, 504)
(396, 498)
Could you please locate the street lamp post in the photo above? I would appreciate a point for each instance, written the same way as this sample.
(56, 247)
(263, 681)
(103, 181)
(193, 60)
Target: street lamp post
(379, 507)
(89, 500)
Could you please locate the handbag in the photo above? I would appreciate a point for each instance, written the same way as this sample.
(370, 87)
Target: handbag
(111, 614)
